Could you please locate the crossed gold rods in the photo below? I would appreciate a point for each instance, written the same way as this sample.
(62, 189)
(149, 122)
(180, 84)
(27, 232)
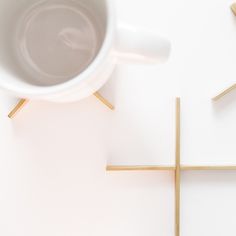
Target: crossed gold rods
(178, 168)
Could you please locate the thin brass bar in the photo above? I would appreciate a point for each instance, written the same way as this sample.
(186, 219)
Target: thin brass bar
(23, 102)
(194, 168)
(104, 100)
(17, 108)
(140, 168)
(177, 170)
(225, 92)
(168, 168)
(233, 8)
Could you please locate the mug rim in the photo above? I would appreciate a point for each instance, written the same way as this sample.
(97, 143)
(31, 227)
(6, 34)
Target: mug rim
(27, 89)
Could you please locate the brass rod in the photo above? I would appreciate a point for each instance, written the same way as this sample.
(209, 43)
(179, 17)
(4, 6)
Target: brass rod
(194, 168)
(225, 92)
(177, 170)
(103, 100)
(139, 168)
(17, 108)
(23, 102)
(168, 168)
(233, 8)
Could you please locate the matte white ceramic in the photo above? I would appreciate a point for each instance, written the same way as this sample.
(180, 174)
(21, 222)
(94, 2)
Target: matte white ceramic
(74, 75)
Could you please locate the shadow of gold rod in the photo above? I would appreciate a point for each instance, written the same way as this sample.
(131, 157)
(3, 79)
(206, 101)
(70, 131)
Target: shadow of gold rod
(225, 92)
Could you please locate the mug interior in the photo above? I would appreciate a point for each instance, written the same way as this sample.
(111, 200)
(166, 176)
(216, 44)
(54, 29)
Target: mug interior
(50, 42)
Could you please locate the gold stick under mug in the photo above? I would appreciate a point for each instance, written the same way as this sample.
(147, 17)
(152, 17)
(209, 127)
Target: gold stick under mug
(23, 102)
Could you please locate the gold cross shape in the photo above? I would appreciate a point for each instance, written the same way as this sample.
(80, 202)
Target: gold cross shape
(178, 168)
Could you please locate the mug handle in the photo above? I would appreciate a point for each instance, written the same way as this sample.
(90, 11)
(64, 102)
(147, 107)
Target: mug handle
(141, 46)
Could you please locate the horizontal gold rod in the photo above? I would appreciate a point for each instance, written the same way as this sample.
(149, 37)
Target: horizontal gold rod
(225, 92)
(138, 168)
(167, 168)
(208, 168)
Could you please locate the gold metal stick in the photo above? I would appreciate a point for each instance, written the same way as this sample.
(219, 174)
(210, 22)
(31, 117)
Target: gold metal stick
(103, 100)
(139, 168)
(169, 168)
(207, 168)
(23, 102)
(233, 8)
(177, 170)
(225, 92)
(17, 108)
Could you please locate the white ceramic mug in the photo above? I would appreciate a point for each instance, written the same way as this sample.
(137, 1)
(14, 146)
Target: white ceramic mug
(51, 39)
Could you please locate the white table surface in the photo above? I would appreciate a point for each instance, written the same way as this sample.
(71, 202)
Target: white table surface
(53, 156)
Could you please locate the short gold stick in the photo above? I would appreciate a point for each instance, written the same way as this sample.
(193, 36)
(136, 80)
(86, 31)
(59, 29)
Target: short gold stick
(233, 8)
(104, 100)
(23, 102)
(17, 108)
(207, 168)
(139, 168)
(225, 92)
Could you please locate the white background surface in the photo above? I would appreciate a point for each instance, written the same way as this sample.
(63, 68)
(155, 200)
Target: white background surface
(53, 156)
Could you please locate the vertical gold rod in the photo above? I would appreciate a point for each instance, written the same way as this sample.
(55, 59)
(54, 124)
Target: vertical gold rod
(177, 170)
(103, 100)
(17, 108)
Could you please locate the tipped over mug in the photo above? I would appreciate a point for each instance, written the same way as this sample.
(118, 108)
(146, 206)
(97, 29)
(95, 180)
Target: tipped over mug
(65, 50)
